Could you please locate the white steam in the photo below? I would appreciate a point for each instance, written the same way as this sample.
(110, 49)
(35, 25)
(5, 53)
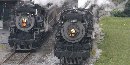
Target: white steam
(87, 3)
(102, 2)
(82, 3)
(45, 2)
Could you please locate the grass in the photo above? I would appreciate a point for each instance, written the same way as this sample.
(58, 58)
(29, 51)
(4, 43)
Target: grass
(2, 46)
(116, 44)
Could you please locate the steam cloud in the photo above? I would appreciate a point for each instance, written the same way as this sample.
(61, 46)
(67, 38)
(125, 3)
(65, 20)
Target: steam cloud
(45, 2)
(81, 3)
(87, 3)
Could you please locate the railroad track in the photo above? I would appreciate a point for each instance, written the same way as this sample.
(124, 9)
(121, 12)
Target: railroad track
(17, 58)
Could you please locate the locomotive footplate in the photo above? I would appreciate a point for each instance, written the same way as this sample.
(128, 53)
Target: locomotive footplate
(23, 44)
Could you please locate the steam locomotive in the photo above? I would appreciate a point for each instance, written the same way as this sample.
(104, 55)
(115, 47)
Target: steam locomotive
(28, 26)
(74, 36)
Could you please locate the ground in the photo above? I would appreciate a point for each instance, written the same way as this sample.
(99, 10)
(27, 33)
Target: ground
(116, 44)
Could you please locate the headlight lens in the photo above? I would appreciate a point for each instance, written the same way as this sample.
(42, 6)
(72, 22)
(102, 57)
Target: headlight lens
(72, 33)
(24, 23)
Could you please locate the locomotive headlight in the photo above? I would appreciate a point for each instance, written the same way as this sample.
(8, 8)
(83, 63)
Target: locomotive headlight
(72, 33)
(24, 23)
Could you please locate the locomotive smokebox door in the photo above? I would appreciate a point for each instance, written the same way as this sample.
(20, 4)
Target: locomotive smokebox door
(73, 32)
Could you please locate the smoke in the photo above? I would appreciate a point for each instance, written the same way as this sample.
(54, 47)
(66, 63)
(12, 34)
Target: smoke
(102, 2)
(82, 3)
(87, 3)
(53, 2)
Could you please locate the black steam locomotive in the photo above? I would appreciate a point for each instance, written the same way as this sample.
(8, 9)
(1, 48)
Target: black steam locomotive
(74, 36)
(27, 26)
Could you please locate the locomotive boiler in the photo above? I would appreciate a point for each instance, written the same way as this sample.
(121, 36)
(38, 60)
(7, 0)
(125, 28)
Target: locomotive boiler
(74, 36)
(27, 26)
